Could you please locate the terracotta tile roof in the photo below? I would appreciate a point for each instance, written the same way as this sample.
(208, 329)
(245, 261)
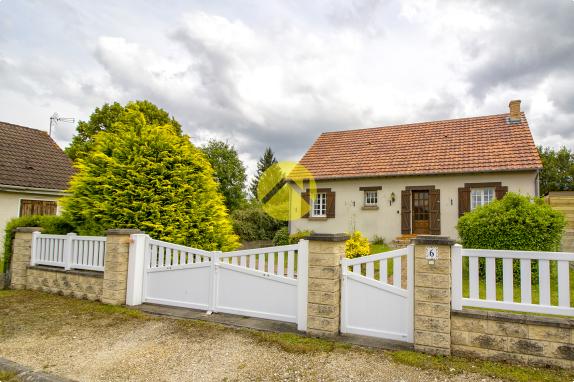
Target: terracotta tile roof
(30, 158)
(479, 144)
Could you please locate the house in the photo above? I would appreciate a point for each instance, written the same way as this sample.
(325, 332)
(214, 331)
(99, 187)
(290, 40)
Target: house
(415, 179)
(34, 173)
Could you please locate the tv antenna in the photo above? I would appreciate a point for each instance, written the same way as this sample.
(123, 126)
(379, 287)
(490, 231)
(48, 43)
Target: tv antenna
(55, 119)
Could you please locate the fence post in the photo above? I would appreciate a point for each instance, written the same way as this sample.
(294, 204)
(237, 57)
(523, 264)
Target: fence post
(457, 277)
(21, 255)
(116, 265)
(324, 283)
(214, 281)
(432, 294)
(68, 250)
(302, 284)
(34, 247)
(136, 268)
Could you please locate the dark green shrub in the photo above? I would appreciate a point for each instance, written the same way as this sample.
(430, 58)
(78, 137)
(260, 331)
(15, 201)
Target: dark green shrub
(514, 223)
(57, 225)
(295, 237)
(252, 223)
(281, 236)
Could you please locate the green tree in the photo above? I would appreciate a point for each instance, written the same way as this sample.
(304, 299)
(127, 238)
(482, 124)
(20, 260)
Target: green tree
(104, 118)
(229, 172)
(266, 161)
(558, 170)
(147, 176)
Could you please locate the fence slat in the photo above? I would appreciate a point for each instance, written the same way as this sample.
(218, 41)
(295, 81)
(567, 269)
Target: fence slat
(243, 261)
(290, 264)
(473, 277)
(397, 274)
(544, 281)
(563, 283)
(371, 270)
(234, 260)
(252, 261)
(490, 278)
(507, 280)
(261, 259)
(383, 277)
(525, 281)
(281, 263)
(357, 269)
(271, 262)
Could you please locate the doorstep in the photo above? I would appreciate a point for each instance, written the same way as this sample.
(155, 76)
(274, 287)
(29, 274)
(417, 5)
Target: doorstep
(265, 325)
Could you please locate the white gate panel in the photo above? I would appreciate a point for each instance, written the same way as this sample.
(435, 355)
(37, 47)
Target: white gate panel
(256, 294)
(184, 287)
(372, 306)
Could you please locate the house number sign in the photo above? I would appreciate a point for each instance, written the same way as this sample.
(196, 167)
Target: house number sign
(431, 254)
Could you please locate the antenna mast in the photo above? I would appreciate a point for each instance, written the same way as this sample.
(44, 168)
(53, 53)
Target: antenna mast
(55, 119)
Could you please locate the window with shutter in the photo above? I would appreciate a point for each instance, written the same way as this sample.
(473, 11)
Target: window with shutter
(30, 207)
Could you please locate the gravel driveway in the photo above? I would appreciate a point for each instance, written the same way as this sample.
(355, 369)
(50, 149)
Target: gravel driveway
(93, 342)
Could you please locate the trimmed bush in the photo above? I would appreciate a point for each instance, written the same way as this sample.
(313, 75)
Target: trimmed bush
(295, 237)
(281, 236)
(51, 224)
(514, 223)
(252, 223)
(357, 246)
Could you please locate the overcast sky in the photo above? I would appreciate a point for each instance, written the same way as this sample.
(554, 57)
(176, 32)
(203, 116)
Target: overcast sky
(278, 73)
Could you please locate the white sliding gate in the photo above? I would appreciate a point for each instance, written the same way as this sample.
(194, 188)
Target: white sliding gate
(267, 283)
(371, 304)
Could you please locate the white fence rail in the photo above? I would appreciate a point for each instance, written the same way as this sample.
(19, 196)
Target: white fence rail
(69, 251)
(516, 294)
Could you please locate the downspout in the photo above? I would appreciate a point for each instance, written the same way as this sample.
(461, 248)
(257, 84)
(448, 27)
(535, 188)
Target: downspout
(537, 183)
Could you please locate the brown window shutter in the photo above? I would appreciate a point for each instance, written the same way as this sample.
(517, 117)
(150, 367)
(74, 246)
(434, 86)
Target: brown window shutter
(330, 204)
(500, 191)
(463, 200)
(434, 204)
(38, 207)
(305, 204)
(405, 212)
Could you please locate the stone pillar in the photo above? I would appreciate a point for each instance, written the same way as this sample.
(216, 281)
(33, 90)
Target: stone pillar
(116, 265)
(21, 253)
(432, 295)
(324, 288)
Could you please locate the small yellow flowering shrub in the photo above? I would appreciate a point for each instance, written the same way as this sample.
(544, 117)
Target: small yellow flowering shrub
(357, 246)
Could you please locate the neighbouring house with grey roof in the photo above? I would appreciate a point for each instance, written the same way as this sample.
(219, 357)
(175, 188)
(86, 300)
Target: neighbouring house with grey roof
(34, 173)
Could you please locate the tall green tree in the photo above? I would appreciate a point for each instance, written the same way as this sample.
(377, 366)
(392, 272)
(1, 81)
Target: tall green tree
(558, 169)
(147, 176)
(229, 172)
(266, 161)
(104, 118)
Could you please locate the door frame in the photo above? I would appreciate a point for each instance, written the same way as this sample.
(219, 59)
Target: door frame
(428, 188)
(413, 193)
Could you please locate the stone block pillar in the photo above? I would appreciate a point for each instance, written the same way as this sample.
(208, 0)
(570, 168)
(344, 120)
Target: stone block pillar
(116, 265)
(21, 253)
(432, 295)
(324, 289)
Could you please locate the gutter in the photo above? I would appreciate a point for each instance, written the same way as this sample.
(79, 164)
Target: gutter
(32, 190)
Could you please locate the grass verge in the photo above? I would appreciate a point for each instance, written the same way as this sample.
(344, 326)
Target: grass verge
(458, 365)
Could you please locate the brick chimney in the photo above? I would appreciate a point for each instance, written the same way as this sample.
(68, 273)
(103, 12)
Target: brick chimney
(514, 106)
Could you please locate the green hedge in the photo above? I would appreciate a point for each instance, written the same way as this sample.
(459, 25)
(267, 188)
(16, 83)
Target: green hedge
(252, 223)
(51, 224)
(514, 222)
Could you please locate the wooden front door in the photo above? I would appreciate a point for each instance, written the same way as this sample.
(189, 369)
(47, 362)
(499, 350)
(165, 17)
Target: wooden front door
(421, 212)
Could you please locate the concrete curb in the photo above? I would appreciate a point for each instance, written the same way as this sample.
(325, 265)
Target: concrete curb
(27, 374)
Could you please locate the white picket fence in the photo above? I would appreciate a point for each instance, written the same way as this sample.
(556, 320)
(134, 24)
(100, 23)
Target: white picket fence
(546, 280)
(267, 283)
(68, 251)
(379, 305)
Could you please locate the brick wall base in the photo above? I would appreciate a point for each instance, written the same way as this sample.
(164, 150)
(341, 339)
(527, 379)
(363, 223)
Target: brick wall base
(517, 338)
(79, 284)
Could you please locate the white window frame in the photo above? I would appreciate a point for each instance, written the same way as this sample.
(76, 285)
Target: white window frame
(319, 205)
(371, 198)
(481, 196)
